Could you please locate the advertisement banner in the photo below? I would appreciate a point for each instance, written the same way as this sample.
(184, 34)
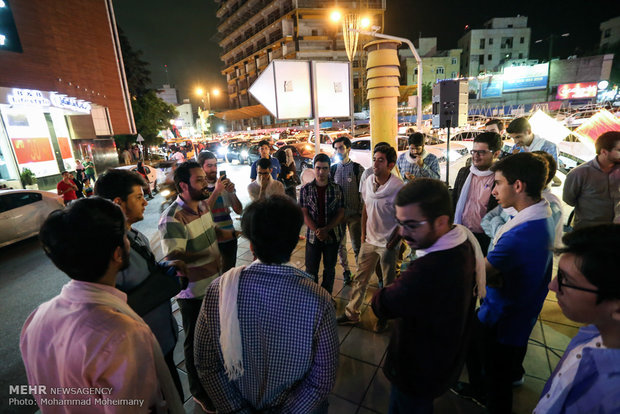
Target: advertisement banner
(65, 148)
(577, 90)
(32, 150)
(525, 78)
(491, 87)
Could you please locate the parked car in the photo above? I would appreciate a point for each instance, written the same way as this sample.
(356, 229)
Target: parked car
(302, 160)
(151, 174)
(238, 151)
(254, 155)
(361, 149)
(22, 212)
(466, 136)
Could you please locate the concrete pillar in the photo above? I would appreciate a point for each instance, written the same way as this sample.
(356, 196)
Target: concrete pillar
(382, 72)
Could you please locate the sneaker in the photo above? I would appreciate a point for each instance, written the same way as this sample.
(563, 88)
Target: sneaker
(519, 382)
(347, 277)
(344, 320)
(204, 407)
(466, 391)
(380, 326)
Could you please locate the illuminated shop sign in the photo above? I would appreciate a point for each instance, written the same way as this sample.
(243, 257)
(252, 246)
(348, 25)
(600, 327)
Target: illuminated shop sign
(577, 90)
(32, 97)
(525, 78)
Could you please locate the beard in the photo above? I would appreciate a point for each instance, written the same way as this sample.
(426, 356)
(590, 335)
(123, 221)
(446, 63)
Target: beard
(198, 195)
(212, 177)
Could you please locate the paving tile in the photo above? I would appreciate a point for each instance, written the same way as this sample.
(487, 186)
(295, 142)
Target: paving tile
(175, 305)
(554, 357)
(558, 335)
(353, 378)
(179, 355)
(537, 334)
(185, 384)
(364, 410)
(179, 319)
(551, 296)
(343, 331)
(373, 349)
(242, 250)
(536, 363)
(378, 395)
(248, 255)
(525, 397)
(449, 403)
(340, 405)
(551, 312)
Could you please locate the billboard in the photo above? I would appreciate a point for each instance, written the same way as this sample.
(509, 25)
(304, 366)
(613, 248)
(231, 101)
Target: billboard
(525, 78)
(577, 90)
(491, 87)
(333, 89)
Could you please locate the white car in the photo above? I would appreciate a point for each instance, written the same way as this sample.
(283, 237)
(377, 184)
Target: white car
(22, 212)
(151, 174)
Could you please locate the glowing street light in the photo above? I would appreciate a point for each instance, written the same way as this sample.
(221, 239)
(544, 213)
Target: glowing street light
(335, 16)
(201, 92)
(365, 22)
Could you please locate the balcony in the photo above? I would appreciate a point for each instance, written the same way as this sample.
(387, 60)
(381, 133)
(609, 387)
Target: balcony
(322, 4)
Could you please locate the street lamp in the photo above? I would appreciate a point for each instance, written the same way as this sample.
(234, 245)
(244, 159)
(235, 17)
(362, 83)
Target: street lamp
(202, 93)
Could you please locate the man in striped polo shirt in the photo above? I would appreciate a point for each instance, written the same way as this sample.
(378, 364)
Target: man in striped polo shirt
(222, 198)
(188, 233)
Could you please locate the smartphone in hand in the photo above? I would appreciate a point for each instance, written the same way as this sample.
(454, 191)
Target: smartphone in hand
(222, 175)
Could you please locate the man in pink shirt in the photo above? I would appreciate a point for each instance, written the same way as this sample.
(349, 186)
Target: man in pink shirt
(473, 185)
(87, 339)
(67, 188)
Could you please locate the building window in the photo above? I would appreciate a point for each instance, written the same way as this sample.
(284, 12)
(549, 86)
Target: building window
(440, 70)
(454, 61)
(506, 43)
(481, 59)
(607, 33)
(315, 33)
(520, 55)
(510, 26)
(482, 43)
(490, 58)
(453, 75)
(522, 40)
(415, 71)
(490, 41)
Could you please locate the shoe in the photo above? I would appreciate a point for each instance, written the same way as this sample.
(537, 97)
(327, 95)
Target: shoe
(466, 391)
(380, 326)
(203, 406)
(519, 382)
(347, 277)
(344, 320)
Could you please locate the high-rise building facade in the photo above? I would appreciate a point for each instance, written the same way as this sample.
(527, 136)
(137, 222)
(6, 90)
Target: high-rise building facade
(252, 33)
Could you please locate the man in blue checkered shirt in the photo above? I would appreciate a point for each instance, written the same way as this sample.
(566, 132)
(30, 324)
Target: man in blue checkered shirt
(266, 338)
(417, 162)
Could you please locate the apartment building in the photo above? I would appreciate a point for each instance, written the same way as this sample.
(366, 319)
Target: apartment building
(500, 40)
(610, 33)
(252, 33)
(436, 64)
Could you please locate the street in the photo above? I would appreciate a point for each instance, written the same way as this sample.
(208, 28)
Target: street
(29, 278)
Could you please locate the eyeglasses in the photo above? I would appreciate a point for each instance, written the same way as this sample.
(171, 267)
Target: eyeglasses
(479, 152)
(263, 173)
(561, 277)
(411, 225)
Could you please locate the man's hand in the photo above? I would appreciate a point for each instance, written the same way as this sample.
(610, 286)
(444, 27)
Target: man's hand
(409, 176)
(322, 234)
(420, 161)
(180, 266)
(392, 243)
(220, 185)
(230, 186)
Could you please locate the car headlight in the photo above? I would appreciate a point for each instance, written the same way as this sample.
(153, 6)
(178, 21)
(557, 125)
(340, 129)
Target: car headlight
(244, 154)
(165, 193)
(222, 151)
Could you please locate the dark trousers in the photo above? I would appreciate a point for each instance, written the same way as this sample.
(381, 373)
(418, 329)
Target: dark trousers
(484, 242)
(190, 308)
(401, 403)
(490, 365)
(329, 251)
(169, 358)
(228, 250)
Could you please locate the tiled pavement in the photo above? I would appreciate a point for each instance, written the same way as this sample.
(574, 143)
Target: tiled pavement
(361, 386)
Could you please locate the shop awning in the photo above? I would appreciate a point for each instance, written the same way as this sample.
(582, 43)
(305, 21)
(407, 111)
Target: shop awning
(246, 112)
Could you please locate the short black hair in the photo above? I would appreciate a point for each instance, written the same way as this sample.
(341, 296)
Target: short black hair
(381, 143)
(527, 168)
(551, 164)
(417, 139)
(272, 225)
(94, 222)
(263, 142)
(431, 195)
(118, 182)
(606, 141)
(388, 151)
(345, 141)
(597, 250)
(519, 126)
(264, 163)
(204, 156)
(492, 139)
(321, 158)
(183, 173)
(498, 122)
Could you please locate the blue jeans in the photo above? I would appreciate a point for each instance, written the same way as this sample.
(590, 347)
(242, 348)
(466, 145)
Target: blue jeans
(401, 403)
(329, 251)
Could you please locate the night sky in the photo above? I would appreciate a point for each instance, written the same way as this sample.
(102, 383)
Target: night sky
(180, 34)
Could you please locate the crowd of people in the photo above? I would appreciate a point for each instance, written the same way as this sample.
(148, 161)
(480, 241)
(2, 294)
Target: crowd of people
(462, 274)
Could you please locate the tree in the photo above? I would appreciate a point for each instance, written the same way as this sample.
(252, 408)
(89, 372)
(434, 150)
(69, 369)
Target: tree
(151, 114)
(427, 94)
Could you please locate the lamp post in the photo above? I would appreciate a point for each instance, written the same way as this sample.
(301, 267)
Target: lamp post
(201, 93)
(550, 40)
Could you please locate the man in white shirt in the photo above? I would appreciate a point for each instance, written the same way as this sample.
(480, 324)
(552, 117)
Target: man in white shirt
(380, 240)
(87, 337)
(265, 186)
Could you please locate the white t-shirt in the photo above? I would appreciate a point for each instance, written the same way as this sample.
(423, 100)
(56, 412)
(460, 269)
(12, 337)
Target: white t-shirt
(379, 205)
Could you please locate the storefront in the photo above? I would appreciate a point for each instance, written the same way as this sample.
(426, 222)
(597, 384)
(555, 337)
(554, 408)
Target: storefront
(35, 133)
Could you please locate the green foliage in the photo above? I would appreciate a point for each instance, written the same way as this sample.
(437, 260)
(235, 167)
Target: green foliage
(427, 94)
(27, 177)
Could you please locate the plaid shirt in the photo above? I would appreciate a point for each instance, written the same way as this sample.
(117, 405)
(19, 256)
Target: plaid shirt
(289, 340)
(429, 169)
(345, 177)
(334, 201)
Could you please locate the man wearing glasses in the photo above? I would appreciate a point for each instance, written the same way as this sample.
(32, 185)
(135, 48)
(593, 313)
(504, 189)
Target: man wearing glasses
(587, 287)
(518, 270)
(473, 185)
(417, 162)
(266, 185)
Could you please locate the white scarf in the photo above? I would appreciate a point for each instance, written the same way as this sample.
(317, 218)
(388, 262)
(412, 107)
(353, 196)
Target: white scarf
(460, 206)
(559, 225)
(88, 293)
(536, 144)
(414, 160)
(457, 236)
(536, 211)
